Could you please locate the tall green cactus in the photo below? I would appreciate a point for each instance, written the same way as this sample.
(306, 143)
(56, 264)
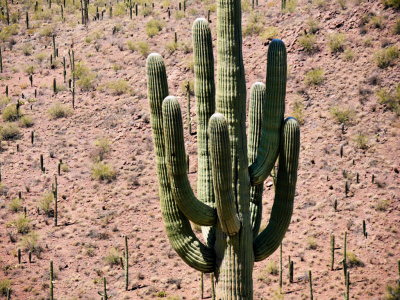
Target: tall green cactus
(231, 167)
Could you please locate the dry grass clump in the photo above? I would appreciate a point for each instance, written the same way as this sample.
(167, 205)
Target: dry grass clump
(336, 42)
(9, 131)
(342, 115)
(103, 171)
(314, 76)
(59, 110)
(385, 57)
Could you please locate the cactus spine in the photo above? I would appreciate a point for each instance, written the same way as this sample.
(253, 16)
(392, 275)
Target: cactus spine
(228, 204)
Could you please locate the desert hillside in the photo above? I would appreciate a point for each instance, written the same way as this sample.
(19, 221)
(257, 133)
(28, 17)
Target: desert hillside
(95, 137)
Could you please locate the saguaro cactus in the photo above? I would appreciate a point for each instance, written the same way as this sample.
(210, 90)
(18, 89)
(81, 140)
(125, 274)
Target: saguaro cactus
(228, 205)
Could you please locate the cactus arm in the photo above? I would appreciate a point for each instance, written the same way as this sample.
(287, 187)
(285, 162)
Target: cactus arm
(175, 155)
(271, 237)
(205, 107)
(273, 113)
(177, 226)
(257, 100)
(222, 174)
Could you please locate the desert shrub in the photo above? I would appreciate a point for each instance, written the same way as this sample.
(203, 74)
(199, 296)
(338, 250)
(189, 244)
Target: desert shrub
(161, 294)
(90, 249)
(59, 110)
(392, 3)
(367, 42)
(85, 82)
(382, 205)
(113, 257)
(392, 292)
(11, 113)
(342, 4)
(342, 115)
(153, 27)
(30, 242)
(396, 27)
(348, 54)
(119, 9)
(27, 49)
(5, 285)
(46, 201)
(30, 69)
(314, 76)
(131, 45)
(7, 31)
(41, 56)
(312, 243)
(307, 41)
(297, 112)
(269, 33)
(15, 204)
(21, 223)
(361, 140)
(376, 21)
(103, 171)
(119, 87)
(171, 47)
(385, 57)
(81, 69)
(291, 6)
(4, 101)
(271, 268)
(212, 7)
(312, 25)
(179, 14)
(254, 25)
(47, 31)
(353, 261)
(146, 11)
(320, 3)
(336, 42)
(144, 48)
(390, 99)
(9, 131)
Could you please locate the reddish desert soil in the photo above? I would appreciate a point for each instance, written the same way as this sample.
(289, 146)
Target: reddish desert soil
(94, 215)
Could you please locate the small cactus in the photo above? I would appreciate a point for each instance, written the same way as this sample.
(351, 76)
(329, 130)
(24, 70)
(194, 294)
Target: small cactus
(332, 251)
(27, 20)
(310, 280)
(41, 163)
(51, 280)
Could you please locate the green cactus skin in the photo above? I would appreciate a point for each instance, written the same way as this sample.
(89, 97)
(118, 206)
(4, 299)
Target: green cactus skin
(27, 20)
(41, 163)
(54, 47)
(344, 256)
(291, 272)
(201, 285)
(104, 295)
(19, 256)
(54, 86)
(227, 206)
(51, 280)
(348, 285)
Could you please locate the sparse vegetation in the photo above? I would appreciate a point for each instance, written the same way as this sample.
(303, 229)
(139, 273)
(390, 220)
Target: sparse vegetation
(396, 27)
(297, 112)
(153, 27)
(15, 204)
(30, 242)
(336, 42)
(307, 41)
(314, 76)
(269, 33)
(119, 87)
(103, 171)
(361, 140)
(171, 47)
(389, 98)
(26, 121)
(385, 57)
(5, 285)
(272, 268)
(45, 202)
(59, 110)
(353, 261)
(113, 257)
(254, 25)
(11, 113)
(349, 54)
(131, 45)
(21, 223)
(342, 115)
(392, 291)
(9, 130)
(144, 48)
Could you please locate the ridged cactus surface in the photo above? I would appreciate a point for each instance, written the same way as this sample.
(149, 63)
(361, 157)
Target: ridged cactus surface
(231, 166)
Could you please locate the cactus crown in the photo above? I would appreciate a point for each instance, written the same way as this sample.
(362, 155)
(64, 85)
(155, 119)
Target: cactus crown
(231, 167)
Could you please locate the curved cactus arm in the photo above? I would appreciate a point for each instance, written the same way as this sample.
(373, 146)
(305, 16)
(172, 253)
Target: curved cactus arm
(273, 113)
(256, 105)
(177, 226)
(222, 174)
(195, 210)
(271, 237)
(205, 106)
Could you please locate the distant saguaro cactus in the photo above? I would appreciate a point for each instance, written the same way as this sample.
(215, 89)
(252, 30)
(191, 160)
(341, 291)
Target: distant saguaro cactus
(231, 167)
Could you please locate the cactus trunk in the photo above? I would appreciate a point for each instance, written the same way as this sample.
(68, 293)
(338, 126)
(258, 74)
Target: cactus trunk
(228, 205)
